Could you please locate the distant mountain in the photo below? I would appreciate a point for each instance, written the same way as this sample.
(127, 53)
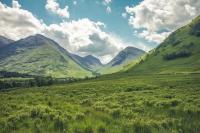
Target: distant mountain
(179, 53)
(123, 58)
(126, 55)
(89, 62)
(4, 41)
(39, 55)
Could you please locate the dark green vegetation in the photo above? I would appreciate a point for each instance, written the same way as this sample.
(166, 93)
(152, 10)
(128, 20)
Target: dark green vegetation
(140, 104)
(160, 94)
(179, 54)
(5, 74)
(14, 79)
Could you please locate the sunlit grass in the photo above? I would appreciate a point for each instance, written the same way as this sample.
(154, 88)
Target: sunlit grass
(159, 103)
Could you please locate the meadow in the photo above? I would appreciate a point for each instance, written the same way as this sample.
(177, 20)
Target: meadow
(124, 104)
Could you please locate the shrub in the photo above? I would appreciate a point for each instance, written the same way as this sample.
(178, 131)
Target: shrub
(80, 116)
(78, 130)
(88, 129)
(35, 112)
(2, 124)
(176, 42)
(141, 128)
(191, 44)
(37, 127)
(37, 130)
(130, 89)
(42, 112)
(168, 96)
(167, 123)
(86, 102)
(49, 103)
(115, 113)
(101, 129)
(59, 124)
(195, 30)
(174, 103)
(11, 126)
(175, 55)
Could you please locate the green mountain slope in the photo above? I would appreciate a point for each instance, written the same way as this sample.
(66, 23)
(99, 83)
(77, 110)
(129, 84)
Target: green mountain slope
(88, 62)
(39, 55)
(179, 53)
(128, 56)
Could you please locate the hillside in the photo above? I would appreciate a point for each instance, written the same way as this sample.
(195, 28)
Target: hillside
(4, 41)
(89, 62)
(38, 55)
(179, 53)
(125, 57)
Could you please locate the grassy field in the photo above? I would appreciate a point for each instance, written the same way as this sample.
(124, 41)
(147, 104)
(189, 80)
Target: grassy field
(126, 104)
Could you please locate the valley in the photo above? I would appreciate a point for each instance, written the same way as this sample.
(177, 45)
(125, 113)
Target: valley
(44, 88)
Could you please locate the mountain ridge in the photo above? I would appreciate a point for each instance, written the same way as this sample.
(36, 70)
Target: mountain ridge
(39, 55)
(129, 53)
(89, 62)
(4, 41)
(121, 60)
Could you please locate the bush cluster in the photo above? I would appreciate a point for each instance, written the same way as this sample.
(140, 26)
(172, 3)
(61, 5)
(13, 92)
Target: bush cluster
(179, 54)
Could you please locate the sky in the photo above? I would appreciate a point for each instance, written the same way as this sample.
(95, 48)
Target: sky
(97, 27)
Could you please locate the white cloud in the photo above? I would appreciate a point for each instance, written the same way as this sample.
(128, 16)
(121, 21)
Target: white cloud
(108, 10)
(17, 23)
(107, 4)
(153, 36)
(191, 10)
(124, 15)
(85, 37)
(54, 7)
(15, 4)
(156, 16)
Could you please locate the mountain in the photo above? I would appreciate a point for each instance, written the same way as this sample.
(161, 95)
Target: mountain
(126, 55)
(123, 58)
(179, 53)
(89, 62)
(39, 55)
(4, 41)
